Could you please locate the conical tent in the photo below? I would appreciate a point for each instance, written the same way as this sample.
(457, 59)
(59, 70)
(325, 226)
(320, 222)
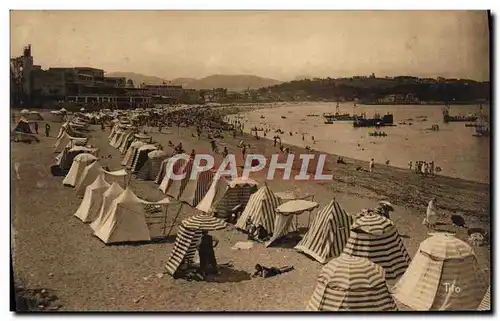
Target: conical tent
(89, 208)
(151, 168)
(184, 249)
(237, 193)
(328, 233)
(376, 238)
(141, 157)
(260, 210)
(349, 283)
(79, 163)
(193, 190)
(170, 186)
(444, 275)
(215, 193)
(91, 172)
(23, 126)
(126, 220)
(108, 197)
(34, 115)
(127, 141)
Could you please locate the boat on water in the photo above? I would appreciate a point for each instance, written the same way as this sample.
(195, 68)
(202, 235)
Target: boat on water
(376, 121)
(449, 119)
(331, 118)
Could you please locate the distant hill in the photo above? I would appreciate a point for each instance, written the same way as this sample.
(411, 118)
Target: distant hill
(232, 82)
(137, 78)
(184, 82)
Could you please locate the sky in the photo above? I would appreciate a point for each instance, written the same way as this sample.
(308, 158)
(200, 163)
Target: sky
(282, 45)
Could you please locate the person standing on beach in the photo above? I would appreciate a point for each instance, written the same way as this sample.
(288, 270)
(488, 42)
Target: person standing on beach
(410, 165)
(431, 169)
(225, 152)
(275, 140)
(213, 143)
(47, 130)
(372, 164)
(36, 128)
(303, 137)
(244, 151)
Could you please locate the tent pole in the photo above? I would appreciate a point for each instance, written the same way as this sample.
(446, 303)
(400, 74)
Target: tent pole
(175, 219)
(165, 220)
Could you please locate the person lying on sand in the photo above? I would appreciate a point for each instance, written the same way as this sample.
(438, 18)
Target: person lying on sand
(266, 272)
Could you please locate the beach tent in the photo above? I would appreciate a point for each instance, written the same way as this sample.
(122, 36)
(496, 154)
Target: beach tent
(141, 157)
(285, 215)
(184, 250)
(260, 210)
(151, 168)
(168, 185)
(34, 115)
(376, 238)
(486, 302)
(25, 112)
(328, 233)
(66, 139)
(89, 208)
(125, 220)
(127, 160)
(163, 170)
(65, 159)
(193, 190)
(126, 141)
(91, 172)
(143, 138)
(108, 197)
(23, 126)
(77, 167)
(349, 283)
(442, 265)
(176, 187)
(115, 137)
(223, 196)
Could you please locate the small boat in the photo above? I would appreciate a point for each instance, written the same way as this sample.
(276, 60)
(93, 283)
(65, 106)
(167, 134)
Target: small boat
(283, 117)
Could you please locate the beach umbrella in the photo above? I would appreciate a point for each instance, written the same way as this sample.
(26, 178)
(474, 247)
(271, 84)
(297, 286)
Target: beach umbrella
(296, 207)
(486, 303)
(204, 222)
(349, 283)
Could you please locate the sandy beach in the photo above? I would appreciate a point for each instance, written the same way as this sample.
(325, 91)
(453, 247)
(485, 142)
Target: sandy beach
(54, 250)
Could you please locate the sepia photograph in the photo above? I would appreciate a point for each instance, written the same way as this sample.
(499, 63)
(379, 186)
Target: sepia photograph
(251, 161)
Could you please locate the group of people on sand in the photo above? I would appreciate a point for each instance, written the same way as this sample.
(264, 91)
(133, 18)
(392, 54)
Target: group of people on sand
(422, 167)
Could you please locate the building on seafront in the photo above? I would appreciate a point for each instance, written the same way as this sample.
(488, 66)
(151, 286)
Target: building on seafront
(33, 86)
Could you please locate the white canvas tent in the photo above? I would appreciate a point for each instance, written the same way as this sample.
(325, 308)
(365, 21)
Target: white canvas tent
(126, 220)
(108, 197)
(168, 185)
(91, 172)
(442, 261)
(79, 163)
(328, 233)
(89, 208)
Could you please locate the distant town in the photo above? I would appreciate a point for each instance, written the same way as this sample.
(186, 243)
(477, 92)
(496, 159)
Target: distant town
(89, 87)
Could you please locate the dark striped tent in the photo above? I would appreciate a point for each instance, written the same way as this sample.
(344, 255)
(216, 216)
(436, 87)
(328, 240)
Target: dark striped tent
(141, 157)
(260, 210)
(184, 249)
(150, 169)
(176, 186)
(193, 190)
(162, 171)
(376, 238)
(131, 152)
(328, 233)
(443, 275)
(486, 302)
(349, 283)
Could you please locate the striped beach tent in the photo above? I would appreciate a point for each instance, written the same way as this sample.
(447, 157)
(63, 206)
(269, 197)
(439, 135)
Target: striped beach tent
(89, 208)
(184, 249)
(328, 233)
(223, 196)
(115, 137)
(108, 197)
(260, 210)
(203, 222)
(77, 167)
(126, 143)
(141, 157)
(168, 185)
(376, 238)
(193, 190)
(485, 304)
(443, 275)
(349, 283)
(130, 152)
(162, 171)
(151, 168)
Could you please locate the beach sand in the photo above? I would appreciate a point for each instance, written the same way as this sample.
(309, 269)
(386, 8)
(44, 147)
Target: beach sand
(54, 250)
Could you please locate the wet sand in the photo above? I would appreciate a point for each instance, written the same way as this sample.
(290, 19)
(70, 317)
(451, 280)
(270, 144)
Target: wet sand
(54, 250)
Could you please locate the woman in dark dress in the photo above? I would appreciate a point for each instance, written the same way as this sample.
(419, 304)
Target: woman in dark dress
(208, 263)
